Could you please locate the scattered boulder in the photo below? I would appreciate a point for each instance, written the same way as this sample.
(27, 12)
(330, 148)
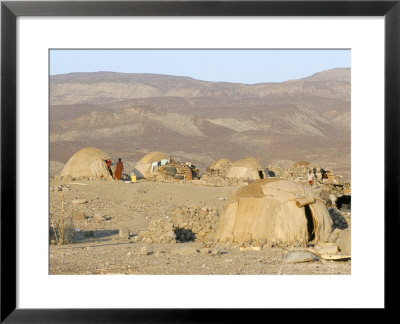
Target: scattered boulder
(262, 241)
(78, 216)
(334, 236)
(216, 252)
(62, 187)
(204, 250)
(344, 242)
(79, 201)
(299, 256)
(98, 217)
(337, 218)
(144, 251)
(123, 232)
(185, 251)
(326, 248)
(268, 245)
(335, 257)
(250, 248)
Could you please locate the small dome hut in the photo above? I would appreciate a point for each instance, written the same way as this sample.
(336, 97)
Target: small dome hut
(274, 209)
(88, 162)
(219, 163)
(247, 169)
(143, 167)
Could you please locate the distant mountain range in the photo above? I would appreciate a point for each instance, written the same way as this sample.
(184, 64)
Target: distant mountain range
(131, 114)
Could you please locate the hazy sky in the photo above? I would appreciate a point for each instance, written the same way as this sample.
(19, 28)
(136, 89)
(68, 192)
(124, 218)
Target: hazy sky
(244, 66)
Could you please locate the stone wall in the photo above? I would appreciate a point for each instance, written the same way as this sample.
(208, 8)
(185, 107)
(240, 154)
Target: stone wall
(175, 171)
(182, 224)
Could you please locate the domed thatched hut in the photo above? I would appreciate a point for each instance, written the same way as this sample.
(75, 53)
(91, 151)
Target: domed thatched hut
(88, 162)
(274, 209)
(143, 167)
(247, 169)
(221, 162)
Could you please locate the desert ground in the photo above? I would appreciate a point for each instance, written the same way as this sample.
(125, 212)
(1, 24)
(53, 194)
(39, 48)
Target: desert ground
(129, 115)
(110, 214)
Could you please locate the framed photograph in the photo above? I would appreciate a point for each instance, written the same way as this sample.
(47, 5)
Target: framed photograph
(162, 158)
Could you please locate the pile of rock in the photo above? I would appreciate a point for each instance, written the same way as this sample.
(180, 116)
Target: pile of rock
(341, 188)
(182, 225)
(175, 171)
(221, 170)
(158, 231)
(339, 220)
(347, 216)
(201, 221)
(218, 177)
(342, 238)
(61, 187)
(297, 171)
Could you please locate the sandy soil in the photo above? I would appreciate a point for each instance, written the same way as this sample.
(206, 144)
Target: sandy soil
(99, 249)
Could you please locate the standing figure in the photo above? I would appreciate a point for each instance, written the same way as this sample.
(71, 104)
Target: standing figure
(118, 169)
(324, 175)
(108, 166)
(266, 171)
(310, 178)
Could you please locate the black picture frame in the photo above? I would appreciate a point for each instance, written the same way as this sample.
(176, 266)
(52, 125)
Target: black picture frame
(10, 10)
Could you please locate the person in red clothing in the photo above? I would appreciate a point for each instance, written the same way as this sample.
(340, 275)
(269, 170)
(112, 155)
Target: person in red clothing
(310, 178)
(118, 170)
(108, 166)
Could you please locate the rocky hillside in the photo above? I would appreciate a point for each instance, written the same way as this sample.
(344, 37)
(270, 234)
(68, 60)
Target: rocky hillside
(331, 75)
(131, 114)
(101, 87)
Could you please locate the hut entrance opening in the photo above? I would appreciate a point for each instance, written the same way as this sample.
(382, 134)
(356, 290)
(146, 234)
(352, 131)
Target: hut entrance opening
(260, 173)
(108, 167)
(344, 202)
(310, 223)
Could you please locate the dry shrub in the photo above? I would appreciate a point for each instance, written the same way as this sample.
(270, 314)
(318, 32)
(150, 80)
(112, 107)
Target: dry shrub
(62, 225)
(64, 229)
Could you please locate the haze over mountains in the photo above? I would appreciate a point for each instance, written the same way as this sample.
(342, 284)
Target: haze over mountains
(128, 115)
